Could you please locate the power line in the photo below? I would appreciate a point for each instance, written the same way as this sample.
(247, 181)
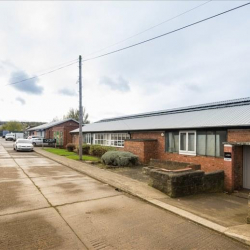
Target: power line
(165, 34)
(50, 68)
(150, 28)
(49, 72)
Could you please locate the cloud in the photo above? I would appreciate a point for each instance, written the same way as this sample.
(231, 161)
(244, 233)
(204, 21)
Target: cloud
(119, 84)
(21, 100)
(29, 86)
(66, 91)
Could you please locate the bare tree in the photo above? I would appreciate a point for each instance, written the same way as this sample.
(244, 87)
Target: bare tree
(74, 114)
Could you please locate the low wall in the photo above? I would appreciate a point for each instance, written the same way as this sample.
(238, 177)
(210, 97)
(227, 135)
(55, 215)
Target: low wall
(173, 165)
(187, 182)
(248, 217)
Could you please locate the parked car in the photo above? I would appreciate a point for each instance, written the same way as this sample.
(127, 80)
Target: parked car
(10, 137)
(38, 141)
(33, 136)
(23, 145)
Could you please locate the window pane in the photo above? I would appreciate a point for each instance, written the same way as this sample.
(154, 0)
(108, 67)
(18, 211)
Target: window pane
(191, 137)
(183, 141)
(201, 142)
(210, 143)
(221, 136)
(172, 141)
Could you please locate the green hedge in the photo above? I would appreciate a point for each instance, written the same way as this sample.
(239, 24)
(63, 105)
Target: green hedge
(85, 149)
(70, 147)
(98, 150)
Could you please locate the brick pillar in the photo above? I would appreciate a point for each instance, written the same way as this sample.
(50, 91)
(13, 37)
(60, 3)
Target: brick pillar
(248, 217)
(229, 167)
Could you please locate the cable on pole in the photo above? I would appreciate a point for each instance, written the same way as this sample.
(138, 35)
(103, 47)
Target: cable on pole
(165, 34)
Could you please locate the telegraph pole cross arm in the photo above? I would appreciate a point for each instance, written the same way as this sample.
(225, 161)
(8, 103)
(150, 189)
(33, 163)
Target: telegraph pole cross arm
(80, 108)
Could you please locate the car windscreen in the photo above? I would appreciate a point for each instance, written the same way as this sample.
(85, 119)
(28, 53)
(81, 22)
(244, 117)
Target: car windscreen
(23, 141)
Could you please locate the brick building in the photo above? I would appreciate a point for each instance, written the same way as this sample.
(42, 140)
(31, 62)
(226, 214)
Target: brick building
(214, 135)
(59, 130)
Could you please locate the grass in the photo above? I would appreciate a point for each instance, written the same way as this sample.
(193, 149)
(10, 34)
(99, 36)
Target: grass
(84, 157)
(71, 155)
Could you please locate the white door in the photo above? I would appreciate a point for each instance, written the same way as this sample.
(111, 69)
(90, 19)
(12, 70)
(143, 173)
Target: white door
(246, 167)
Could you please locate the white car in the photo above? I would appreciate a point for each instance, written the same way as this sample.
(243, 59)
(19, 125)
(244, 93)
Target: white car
(10, 137)
(23, 145)
(38, 141)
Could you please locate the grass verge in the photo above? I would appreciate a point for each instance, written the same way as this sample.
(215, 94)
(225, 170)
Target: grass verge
(71, 155)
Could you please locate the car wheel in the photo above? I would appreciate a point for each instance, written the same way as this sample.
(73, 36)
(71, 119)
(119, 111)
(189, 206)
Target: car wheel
(33, 143)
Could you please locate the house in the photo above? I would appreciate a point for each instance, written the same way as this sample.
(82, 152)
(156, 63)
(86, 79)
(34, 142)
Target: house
(214, 135)
(59, 130)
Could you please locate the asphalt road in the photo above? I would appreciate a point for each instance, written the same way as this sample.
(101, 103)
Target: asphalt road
(45, 205)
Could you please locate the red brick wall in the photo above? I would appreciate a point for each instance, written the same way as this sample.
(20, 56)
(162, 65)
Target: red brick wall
(144, 149)
(65, 127)
(238, 167)
(207, 163)
(238, 135)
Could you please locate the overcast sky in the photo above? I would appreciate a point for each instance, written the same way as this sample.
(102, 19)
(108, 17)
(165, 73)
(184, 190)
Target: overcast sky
(204, 63)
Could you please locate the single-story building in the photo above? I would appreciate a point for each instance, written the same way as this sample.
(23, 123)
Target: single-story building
(59, 130)
(214, 135)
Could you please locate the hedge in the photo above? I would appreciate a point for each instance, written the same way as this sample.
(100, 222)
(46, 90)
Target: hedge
(119, 158)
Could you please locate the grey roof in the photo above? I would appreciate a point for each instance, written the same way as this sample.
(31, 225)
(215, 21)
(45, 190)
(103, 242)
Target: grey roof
(230, 113)
(50, 124)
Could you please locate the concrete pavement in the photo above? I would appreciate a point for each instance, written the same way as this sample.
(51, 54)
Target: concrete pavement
(46, 205)
(235, 228)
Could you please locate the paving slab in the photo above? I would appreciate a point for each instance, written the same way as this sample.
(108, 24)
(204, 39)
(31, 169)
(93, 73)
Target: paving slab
(123, 222)
(48, 171)
(8, 163)
(68, 189)
(11, 173)
(224, 209)
(36, 162)
(42, 229)
(17, 196)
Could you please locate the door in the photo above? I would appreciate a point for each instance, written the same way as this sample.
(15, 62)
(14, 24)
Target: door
(246, 167)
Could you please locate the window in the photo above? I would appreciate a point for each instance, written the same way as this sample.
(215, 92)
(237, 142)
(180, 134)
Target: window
(113, 139)
(172, 141)
(187, 142)
(209, 143)
(88, 138)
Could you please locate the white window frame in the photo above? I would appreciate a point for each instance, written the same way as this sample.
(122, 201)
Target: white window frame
(186, 152)
(119, 139)
(88, 138)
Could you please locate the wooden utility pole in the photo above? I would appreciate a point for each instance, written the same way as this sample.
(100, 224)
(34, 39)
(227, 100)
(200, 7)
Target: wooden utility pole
(80, 108)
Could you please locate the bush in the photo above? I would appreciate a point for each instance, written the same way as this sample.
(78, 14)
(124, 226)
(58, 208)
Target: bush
(98, 150)
(70, 147)
(85, 149)
(119, 158)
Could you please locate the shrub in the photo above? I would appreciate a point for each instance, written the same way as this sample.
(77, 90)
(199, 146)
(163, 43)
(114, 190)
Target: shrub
(119, 158)
(85, 149)
(98, 150)
(70, 147)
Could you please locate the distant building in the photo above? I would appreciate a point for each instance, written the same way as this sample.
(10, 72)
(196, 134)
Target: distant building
(214, 135)
(59, 130)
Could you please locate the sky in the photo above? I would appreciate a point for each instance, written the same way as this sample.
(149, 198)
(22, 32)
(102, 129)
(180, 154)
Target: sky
(204, 63)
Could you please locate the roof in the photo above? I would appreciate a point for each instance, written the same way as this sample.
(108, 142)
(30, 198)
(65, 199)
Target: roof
(50, 124)
(230, 113)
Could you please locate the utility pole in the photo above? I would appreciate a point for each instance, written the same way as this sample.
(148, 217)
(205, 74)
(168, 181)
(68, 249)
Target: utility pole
(80, 108)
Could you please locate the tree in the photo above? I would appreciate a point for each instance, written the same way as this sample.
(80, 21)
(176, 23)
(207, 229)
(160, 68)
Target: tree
(13, 126)
(74, 114)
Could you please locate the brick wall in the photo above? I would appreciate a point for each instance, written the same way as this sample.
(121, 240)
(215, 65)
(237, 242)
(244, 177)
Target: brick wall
(238, 167)
(65, 127)
(145, 149)
(238, 135)
(207, 163)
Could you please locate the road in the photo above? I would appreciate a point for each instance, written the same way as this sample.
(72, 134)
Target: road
(45, 205)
